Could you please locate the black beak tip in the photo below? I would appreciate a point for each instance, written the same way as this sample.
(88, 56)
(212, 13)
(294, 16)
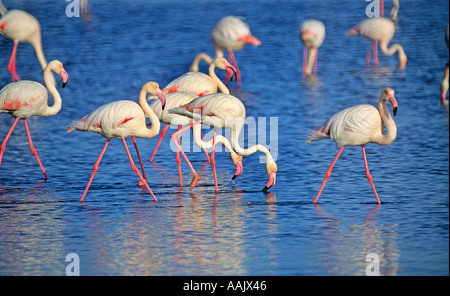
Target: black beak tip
(163, 106)
(64, 84)
(265, 189)
(234, 177)
(395, 111)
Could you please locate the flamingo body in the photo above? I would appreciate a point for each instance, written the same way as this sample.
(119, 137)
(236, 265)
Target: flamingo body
(312, 35)
(444, 83)
(379, 29)
(231, 33)
(357, 126)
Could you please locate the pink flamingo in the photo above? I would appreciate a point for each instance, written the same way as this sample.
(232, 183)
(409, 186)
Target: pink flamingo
(200, 83)
(357, 126)
(381, 30)
(312, 34)
(20, 26)
(25, 98)
(444, 83)
(231, 33)
(121, 119)
(221, 111)
(177, 99)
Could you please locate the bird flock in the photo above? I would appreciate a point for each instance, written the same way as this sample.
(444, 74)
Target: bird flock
(197, 99)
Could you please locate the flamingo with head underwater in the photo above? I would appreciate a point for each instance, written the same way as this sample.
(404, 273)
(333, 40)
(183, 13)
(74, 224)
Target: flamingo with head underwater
(379, 29)
(26, 98)
(231, 33)
(222, 111)
(20, 26)
(357, 126)
(444, 83)
(312, 34)
(121, 119)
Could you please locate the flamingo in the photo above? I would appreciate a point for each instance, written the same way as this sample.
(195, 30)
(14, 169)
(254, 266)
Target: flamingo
(231, 33)
(26, 98)
(444, 83)
(121, 119)
(200, 83)
(222, 111)
(177, 99)
(312, 34)
(200, 57)
(357, 126)
(381, 30)
(20, 26)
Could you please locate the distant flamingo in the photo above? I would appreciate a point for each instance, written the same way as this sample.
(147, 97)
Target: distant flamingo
(177, 99)
(200, 57)
(380, 30)
(199, 83)
(121, 119)
(357, 126)
(27, 98)
(231, 33)
(222, 111)
(444, 83)
(312, 34)
(20, 26)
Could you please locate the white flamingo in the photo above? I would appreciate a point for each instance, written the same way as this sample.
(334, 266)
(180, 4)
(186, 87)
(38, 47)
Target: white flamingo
(357, 126)
(26, 98)
(312, 34)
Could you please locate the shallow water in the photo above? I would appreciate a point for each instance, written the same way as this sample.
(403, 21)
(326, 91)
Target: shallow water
(120, 230)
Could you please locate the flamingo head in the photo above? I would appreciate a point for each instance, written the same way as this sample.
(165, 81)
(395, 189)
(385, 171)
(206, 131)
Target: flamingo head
(153, 89)
(402, 60)
(388, 95)
(308, 35)
(271, 169)
(352, 31)
(237, 160)
(223, 64)
(57, 67)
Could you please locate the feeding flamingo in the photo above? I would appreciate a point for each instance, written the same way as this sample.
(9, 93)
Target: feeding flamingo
(26, 98)
(231, 33)
(357, 126)
(177, 99)
(222, 111)
(444, 83)
(312, 34)
(20, 26)
(380, 30)
(200, 57)
(121, 119)
(199, 83)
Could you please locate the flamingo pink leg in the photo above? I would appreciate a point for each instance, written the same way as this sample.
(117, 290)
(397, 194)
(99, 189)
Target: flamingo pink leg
(6, 139)
(161, 136)
(178, 159)
(135, 169)
(94, 170)
(140, 161)
(375, 54)
(213, 160)
(12, 63)
(305, 60)
(369, 177)
(328, 173)
(315, 62)
(369, 53)
(33, 150)
(174, 139)
(206, 152)
(233, 62)
(381, 8)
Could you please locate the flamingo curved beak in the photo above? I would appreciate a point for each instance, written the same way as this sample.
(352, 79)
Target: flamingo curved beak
(272, 181)
(162, 97)
(231, 71)
(393, 103)
(64, 76)
(239, 169)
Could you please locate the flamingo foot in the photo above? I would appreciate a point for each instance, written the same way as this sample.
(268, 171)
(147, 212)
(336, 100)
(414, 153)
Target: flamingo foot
(193, 182)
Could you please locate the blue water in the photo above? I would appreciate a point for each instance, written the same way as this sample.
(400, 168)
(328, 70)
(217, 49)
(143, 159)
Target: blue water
(120, 230)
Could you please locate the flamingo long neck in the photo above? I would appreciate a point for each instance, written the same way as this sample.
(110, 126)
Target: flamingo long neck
(311, 58)
(235, 131)
(196, 130)
(220, 85)
(3, 9)
(57, 102)
(393, 49)
(155, 124)
(391, 129)
(198, 58)
(36, 42)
